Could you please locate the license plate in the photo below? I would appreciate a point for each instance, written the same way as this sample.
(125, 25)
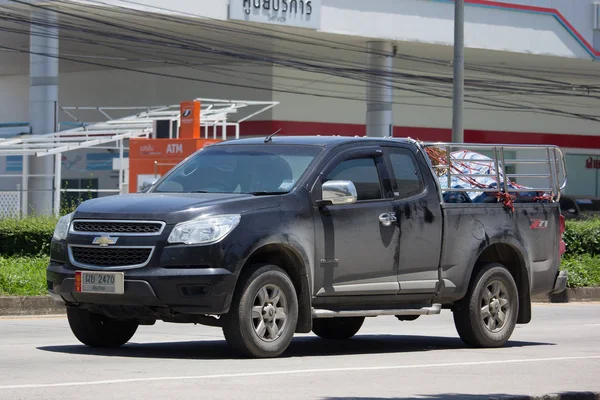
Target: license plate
(100, 282)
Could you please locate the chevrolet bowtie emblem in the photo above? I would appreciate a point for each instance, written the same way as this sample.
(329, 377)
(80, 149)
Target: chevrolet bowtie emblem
(104, 241)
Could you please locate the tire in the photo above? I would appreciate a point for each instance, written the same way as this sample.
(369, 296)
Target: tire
(487, 315)
(407, 317)
(264, 312)
(96, 330)
(337, 328)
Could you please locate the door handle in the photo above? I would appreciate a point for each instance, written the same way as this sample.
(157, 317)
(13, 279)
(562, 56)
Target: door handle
(387, 219)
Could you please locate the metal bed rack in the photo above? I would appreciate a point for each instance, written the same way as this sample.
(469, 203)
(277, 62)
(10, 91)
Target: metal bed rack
(551, 157)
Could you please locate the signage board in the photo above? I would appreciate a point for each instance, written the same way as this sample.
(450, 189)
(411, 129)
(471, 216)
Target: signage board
(297, 13)
(190, 120)
(150, 157)
(592, 163)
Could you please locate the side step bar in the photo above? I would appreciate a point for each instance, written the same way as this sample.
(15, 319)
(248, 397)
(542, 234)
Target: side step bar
(434, 309)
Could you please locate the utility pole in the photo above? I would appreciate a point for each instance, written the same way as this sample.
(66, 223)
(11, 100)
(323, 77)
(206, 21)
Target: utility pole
(379, 89)
(459, 72)
(43, 100)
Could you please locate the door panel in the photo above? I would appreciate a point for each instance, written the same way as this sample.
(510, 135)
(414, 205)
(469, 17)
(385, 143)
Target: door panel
(355, 250)
(359, 250)
(419, 222)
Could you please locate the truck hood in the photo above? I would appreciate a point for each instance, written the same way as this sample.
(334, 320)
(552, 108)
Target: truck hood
(171, 207)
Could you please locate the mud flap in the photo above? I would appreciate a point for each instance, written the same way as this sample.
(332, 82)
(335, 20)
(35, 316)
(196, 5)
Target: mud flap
(304, 324)
(524, 316)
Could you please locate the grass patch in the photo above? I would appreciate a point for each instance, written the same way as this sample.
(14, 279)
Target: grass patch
(23, 276)
(26, 276)
(584, 270)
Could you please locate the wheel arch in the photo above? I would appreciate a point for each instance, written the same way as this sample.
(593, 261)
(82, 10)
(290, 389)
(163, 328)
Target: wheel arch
(295, 264)
(511, 256)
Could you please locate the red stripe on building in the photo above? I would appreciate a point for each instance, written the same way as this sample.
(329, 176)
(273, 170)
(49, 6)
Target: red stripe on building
(299, 128)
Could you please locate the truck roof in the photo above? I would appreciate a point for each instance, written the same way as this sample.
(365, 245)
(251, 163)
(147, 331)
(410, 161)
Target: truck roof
(308, 140)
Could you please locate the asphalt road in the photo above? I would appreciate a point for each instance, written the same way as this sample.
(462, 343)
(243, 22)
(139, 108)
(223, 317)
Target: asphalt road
(558, 352)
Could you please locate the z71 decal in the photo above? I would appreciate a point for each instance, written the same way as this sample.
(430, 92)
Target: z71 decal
(539, 224)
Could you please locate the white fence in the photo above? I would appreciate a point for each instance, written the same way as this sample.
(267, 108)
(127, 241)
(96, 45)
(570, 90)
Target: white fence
(10, 204)
(14, 203)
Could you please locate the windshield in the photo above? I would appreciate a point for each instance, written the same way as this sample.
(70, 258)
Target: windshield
(256, 169)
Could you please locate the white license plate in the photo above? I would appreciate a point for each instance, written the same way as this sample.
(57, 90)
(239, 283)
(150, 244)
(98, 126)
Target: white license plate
(100, 282)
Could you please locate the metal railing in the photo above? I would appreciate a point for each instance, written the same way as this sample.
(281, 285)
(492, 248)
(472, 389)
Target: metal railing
(550, 158)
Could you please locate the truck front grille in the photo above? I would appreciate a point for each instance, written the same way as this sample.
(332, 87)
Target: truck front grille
(110, 257)
(118, 227)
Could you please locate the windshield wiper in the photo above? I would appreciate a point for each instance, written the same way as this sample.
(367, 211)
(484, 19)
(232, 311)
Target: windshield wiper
(264, 193)
(198, 191)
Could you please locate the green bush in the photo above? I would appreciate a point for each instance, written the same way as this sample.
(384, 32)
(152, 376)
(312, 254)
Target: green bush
(26, 236)
(25, 244)
(584, 270)
(23, 276)
(582, 237)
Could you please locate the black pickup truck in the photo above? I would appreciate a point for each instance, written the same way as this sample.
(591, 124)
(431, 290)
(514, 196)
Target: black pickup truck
(268, 237)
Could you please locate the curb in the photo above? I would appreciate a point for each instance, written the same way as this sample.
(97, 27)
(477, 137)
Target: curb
(44, 305)
(29, 305)
(583, 294)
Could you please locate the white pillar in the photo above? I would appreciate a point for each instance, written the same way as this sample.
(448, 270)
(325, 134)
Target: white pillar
(25, 187)
(379, 89)
(121, 179)
(57, 180)
(43, 99)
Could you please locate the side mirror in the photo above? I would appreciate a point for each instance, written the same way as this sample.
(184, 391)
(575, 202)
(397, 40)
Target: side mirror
(147, 184)
(338, 192)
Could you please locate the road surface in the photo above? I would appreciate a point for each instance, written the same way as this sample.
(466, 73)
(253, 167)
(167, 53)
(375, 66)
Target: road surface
(558, 352)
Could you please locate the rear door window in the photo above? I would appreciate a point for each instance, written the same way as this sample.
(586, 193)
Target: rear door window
(406, 179)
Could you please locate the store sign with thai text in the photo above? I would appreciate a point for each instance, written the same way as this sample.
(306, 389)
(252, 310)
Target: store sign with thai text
(592, 163)
(298, 13)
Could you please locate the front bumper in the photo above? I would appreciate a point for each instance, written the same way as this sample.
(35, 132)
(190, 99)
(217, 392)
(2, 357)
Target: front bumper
(560, 284)
(199, 291)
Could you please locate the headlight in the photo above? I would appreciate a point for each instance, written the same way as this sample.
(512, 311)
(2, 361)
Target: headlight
(62, 227)
(204, 230)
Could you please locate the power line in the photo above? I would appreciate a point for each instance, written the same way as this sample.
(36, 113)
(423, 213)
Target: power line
(410, 81)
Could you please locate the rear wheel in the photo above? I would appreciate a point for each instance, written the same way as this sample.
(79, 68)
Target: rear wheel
(337, 328)
(264, 313)
(407, 317)
(487, 315)
(96, 330)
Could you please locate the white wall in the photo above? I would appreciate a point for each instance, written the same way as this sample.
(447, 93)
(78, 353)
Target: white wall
(577, 12)
(120, 88)
(123, 88)
(432, 113)
(217, 9)
(429, 21)
(433, 22)
(14, 98)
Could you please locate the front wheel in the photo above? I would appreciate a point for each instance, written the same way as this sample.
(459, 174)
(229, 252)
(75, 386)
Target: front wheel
(264, 313)
(96, 330)
(487, 315)
(337, 328)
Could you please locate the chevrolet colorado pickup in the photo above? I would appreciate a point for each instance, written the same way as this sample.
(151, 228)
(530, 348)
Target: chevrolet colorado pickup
(268, 237)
